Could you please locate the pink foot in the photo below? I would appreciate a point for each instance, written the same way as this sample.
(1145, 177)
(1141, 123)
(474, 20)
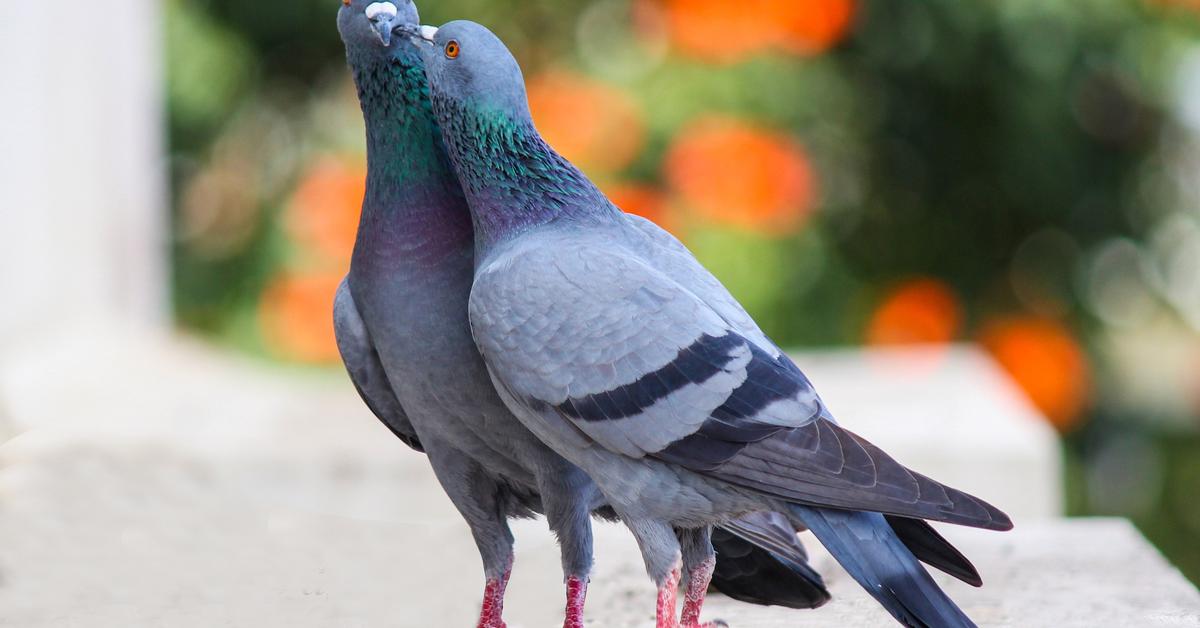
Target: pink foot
(665, 609)
(693, 599)
(576, 594)
(492, 611)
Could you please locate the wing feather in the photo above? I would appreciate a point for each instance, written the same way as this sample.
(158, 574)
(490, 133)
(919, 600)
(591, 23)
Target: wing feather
(365, 369)
(644, 367)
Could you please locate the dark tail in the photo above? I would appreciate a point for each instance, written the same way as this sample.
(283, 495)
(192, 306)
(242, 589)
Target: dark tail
(933, 549)
(870, 551)
(748, 573)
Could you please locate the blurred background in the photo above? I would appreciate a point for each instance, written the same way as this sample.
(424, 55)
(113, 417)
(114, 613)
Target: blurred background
(1024, 175)
(1019, 175)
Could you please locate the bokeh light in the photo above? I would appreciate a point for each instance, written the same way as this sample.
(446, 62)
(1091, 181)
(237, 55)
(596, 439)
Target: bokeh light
(722, 31)
(917, 311)
(1046, 361)
(595, 125)
(645, 201)
(815, 26)
(322, 215)
(296, 316)
(218, 210)
(738, 174)
(719, 30)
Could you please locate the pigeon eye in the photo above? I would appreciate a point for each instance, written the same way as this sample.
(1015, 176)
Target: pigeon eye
(345, 3)
(452, 50)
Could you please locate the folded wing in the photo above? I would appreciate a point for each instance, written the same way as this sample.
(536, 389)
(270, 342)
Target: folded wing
(595, 337)
(366, 371)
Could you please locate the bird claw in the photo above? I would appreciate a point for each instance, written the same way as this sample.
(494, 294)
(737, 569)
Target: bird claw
(716, 623)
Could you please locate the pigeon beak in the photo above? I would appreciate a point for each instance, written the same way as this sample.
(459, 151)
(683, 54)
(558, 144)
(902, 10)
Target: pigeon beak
(382, 16)
(423, 37)
(418, 34)
(411, 31)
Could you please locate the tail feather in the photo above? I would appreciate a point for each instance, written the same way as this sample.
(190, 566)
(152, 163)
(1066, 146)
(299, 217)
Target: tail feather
(771, 531)
(869, 550)
(747, 572)
(933, 549)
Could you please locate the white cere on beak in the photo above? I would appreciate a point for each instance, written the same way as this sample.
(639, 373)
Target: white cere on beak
(376, 9)
(428, 32)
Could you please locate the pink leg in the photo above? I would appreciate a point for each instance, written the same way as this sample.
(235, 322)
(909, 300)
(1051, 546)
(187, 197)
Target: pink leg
(491, 615)
(665, 611)
(576, 594)
(693, 599)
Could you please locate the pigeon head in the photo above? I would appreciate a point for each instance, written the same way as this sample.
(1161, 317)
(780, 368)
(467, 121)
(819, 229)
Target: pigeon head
(367, 26)
(472, 70)
(512, 178)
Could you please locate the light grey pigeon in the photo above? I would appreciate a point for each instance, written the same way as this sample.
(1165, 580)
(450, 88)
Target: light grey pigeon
(402, 329)
(611, 342)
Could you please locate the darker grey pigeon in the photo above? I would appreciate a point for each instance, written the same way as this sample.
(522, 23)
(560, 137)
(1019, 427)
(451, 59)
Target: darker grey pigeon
(400, 318)
(402, 329)
(611, 342)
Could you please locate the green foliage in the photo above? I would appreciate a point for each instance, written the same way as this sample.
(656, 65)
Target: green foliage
(991, 129)
(208, 69)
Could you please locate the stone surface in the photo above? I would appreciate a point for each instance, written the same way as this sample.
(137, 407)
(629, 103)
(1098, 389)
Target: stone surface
(149, 538)
(156, 481)
(1060, 573)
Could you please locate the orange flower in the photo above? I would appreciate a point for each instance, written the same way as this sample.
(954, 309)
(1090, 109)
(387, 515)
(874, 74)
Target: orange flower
(917, 311)
(816, 26)
(720, 31)
(643, 200)
(323, 213)
(595, 125)
(724, 31)
(1047, 363)
(295, 315)
(735, 173)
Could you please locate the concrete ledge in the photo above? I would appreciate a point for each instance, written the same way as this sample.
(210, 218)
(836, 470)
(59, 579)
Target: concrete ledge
(1065, 573)
(88, 538)
(154, 482)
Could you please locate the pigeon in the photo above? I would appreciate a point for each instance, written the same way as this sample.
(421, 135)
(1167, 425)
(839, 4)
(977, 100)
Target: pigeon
(401, 326)
(617, 348)
(400, 318)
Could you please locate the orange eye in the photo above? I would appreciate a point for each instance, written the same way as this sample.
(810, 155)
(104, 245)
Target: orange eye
(345, 3)
(452, 50)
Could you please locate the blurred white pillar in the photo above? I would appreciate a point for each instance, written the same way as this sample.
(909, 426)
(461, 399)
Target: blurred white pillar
(82, 196)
